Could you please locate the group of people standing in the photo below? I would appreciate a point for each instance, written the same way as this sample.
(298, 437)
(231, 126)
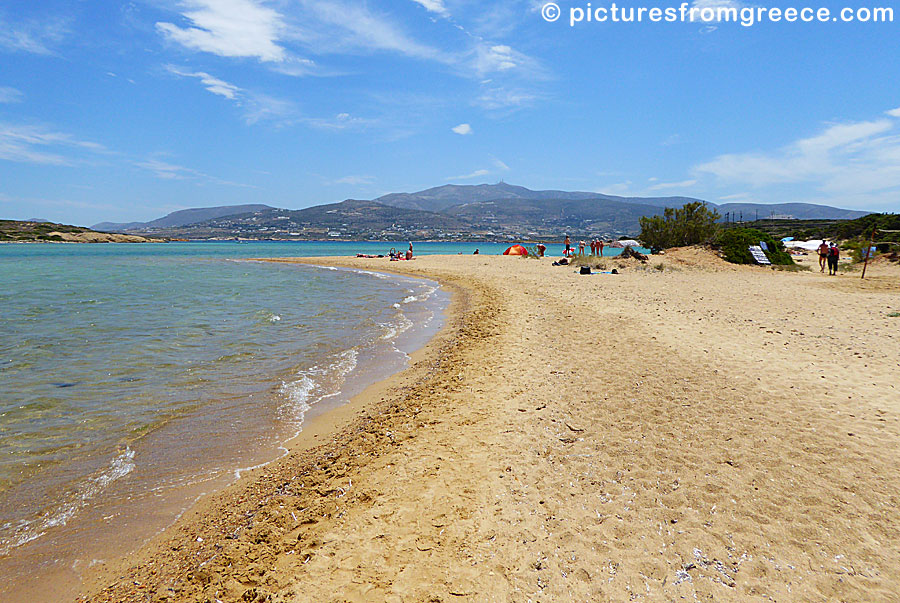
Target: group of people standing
(596, 247)
(829, 255)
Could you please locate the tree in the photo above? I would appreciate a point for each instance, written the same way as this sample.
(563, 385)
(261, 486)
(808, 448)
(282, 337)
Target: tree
(692, 224)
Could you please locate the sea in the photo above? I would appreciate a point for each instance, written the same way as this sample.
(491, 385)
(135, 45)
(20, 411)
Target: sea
(136, 378)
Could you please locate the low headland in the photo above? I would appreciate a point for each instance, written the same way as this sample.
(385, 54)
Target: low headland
(19, 231)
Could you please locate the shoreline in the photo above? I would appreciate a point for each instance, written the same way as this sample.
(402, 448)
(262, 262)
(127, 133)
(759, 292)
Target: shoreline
(51, 571)
(321, 434)
(670, 432)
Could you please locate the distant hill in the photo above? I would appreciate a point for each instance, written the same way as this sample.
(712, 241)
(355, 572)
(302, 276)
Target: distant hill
(180, 218)
(443, 197)
(348, 219)
(483, 211)
(796, 211)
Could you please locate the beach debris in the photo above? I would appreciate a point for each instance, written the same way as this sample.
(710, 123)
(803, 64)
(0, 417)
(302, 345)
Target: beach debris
(574, 428)
(462, 588)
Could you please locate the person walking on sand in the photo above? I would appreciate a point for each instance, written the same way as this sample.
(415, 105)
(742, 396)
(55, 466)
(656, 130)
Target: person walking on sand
(823, 255)
(834, 254)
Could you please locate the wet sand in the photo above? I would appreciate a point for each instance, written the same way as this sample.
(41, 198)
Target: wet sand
(686, 429)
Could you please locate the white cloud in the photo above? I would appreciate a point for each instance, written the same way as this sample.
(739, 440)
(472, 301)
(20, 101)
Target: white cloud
(434, 6)
(472, 176)
(36, 37)
(213, 84)
(10, 95)
(264, 108)
(745, 197)
(333, 26)
(499, 164)
(496, 58)
(36, 144)
(850, 163)
(894, 112)
(673, 185)
(341, 121)
(463, 129)
(256, 107)
(504, 98)
(671, 140)
(168, 171)
(355, 180)
(230, 28)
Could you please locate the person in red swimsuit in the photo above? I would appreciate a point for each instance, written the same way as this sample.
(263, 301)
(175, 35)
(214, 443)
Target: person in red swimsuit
(823, 256)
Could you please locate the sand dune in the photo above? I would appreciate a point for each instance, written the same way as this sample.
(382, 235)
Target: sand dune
(684, 430)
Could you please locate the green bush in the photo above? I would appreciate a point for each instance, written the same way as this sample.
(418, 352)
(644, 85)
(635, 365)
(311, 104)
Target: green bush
(692, 224)
(735, 246)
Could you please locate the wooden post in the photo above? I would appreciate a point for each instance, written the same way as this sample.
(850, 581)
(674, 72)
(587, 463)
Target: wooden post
(869, 251)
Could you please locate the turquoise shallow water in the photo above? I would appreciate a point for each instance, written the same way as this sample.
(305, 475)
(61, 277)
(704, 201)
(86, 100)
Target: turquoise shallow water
(135, 377)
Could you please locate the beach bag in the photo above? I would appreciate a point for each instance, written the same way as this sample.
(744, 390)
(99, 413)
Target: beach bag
(585, 270)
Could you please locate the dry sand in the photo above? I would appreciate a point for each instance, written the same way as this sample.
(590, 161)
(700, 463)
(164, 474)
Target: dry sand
(699, 431)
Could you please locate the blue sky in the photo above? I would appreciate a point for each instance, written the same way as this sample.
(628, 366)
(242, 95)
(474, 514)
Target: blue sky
(121, 111)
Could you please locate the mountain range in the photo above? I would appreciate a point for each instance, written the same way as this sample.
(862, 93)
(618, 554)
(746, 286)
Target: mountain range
(495, 211)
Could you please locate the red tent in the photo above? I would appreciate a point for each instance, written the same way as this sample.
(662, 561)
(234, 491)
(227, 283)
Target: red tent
(516, 250)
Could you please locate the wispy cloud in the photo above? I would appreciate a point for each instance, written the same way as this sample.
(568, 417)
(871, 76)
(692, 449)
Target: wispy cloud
(434, 6)
(663, 186)
(498, 167)
(355, 180)
(341, 121)
(849, 162)
(230, 28)
(11, 95)
(257, 107)
(169, 171)
(499, 164)
(840, 149)
(894, 112)
(472, 176)
(213, 84)
(42, 145)
(498, 57)
(463, 129)
(35, 37)
(500, 98)
(335, 26)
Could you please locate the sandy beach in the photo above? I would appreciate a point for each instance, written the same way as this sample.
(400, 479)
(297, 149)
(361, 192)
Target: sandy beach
(684, 430)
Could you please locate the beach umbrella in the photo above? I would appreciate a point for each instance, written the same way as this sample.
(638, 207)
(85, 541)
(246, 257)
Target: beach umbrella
(516, 250)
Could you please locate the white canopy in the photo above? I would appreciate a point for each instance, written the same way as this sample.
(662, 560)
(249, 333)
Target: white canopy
(807, 245)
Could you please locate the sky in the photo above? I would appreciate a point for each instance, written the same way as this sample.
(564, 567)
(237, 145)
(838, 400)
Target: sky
(121, 111)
